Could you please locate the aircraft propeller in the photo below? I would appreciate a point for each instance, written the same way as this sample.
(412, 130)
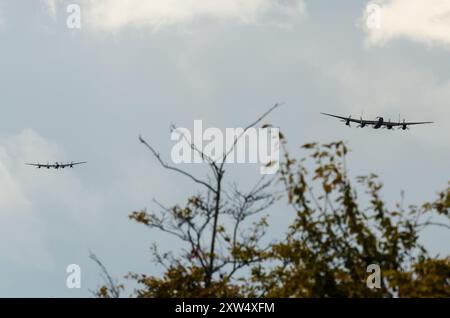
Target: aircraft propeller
(388, 125)
(361, 123)
(403, 125)
(347, 121)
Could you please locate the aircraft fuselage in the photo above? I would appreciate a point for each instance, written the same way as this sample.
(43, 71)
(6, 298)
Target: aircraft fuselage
(379, 123)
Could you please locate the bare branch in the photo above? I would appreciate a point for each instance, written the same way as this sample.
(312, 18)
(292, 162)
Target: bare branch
(210, 161)
(271, 109)
(434, 224)
(167, 166)
(112, 288)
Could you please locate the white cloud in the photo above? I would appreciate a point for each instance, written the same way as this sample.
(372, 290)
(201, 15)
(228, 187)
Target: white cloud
(20, 229)
(426, 21)
(35, 201)
(116, 14)
(2, 19)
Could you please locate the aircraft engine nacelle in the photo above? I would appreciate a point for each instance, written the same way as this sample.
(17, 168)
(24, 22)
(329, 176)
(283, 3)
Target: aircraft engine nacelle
(347, 122)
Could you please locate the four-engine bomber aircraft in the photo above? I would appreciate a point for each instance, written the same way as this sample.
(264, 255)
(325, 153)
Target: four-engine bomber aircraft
(379, 123)
(56, 165)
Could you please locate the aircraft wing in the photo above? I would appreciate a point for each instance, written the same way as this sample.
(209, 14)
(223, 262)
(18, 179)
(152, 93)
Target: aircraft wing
(34, 165)
(416, 123)
(73, 164)
(405, 123)
(40, 165)
(358, 121)
(78, 163)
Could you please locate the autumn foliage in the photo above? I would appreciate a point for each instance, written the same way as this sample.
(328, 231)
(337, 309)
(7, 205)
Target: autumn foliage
(341, 226)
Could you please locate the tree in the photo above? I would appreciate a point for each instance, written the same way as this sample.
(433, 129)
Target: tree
(205, 221)
(333, 240)
(326, 250)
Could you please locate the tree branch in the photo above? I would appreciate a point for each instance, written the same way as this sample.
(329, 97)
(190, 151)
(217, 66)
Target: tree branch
(271, 109)
(167, 166)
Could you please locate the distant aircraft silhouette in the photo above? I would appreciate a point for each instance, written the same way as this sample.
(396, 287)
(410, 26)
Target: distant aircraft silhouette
(56, 165)
(379, 123)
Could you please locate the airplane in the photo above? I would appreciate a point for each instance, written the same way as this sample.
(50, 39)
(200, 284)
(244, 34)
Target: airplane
(379, 123)
(56, 165)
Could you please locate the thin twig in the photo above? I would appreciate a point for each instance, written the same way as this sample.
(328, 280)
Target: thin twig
(167, 166)
(271, 109)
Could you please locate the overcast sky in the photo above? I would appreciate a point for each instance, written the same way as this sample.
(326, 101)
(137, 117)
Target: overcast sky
(134, 67)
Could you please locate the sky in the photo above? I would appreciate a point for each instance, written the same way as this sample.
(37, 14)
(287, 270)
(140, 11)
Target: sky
(135, 67)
